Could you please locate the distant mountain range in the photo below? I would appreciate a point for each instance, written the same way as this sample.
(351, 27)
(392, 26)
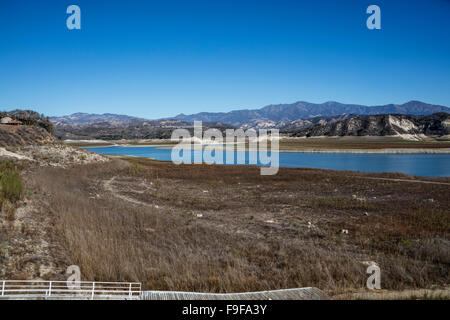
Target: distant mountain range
(292, 118)
(78, 118)
(437, 124)
(275, 116)
(129, 128)
(278, 115)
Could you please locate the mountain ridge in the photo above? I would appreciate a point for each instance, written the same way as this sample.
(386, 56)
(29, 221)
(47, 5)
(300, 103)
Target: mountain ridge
(437, 124)
(307, 110)
(298, 114)
(83, 117)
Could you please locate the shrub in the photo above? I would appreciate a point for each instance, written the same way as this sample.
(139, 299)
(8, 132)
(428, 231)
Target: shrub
(135, 169)
(11, 188)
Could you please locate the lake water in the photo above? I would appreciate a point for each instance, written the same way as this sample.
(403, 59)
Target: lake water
(427, 165)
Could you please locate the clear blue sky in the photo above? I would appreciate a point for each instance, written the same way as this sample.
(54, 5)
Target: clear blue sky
(159, 58)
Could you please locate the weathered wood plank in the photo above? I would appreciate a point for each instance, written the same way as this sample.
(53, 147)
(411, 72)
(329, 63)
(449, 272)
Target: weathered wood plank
(309, 293)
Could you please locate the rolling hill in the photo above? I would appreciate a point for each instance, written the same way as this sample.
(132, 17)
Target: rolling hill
(78, 118)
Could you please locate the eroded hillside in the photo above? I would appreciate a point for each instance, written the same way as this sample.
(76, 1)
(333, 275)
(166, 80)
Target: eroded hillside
(14, 136)
(382, 125)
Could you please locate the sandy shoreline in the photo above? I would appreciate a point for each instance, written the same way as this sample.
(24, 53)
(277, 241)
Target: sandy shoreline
(312, 150)
(374, 151)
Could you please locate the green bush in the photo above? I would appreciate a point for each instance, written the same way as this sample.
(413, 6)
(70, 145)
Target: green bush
(135, 169)
(11, 188)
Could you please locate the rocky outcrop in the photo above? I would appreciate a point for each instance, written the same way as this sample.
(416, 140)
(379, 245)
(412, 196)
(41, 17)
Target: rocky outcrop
(382, 125)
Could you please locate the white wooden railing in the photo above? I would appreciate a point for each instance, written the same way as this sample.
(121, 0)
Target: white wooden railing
(61, 289)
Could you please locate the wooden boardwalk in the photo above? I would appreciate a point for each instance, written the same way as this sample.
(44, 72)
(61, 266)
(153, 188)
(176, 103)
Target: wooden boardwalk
(286, 294)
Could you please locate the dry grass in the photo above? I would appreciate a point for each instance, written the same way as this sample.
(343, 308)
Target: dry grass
(11, 136)
(228, 229)
(11, 192)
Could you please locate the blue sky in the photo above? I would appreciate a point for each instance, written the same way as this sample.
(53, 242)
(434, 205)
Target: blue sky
(159, 58)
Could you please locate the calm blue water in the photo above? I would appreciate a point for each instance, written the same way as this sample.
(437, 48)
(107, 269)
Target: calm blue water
(427, 165)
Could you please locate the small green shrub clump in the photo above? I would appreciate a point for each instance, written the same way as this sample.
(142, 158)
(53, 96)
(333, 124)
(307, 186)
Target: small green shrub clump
(11, 188)
(135, 169)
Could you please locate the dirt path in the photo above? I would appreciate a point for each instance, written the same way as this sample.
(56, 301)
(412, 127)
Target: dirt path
(27, 250)
(108, 186)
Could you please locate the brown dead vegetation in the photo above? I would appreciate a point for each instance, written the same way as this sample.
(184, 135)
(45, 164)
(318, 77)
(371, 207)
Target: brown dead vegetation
(14, 136)
(228, 229)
